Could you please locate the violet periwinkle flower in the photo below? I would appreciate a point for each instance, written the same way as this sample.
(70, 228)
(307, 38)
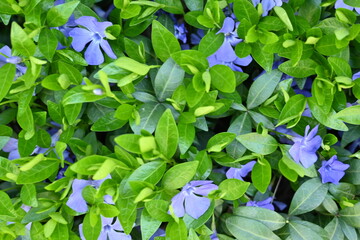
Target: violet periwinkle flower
(76, 200)
(267, 203)
(332, 170)
(240, 173)
(11, 147)
(196, 37)
(341, 4)
(110, 230)
(267, 5)
(189, 200)
(225, 55)
(356, 76)
(229, 29)
(180, 32)
(6, 57)
(304, 149)
(93, 33)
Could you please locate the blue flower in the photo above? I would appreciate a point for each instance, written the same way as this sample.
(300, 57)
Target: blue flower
(6, 57)
(304, 149)
(93, 34)
(267, 203)
(189, 200)
(332, 170)
(241, 172)
(110, 230)
(180, 32)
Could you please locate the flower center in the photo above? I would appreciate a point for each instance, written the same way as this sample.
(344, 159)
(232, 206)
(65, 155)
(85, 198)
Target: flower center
(107, 228)
(97, 36)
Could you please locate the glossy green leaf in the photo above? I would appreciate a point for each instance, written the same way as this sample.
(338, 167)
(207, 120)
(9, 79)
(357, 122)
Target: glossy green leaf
(293, 108)
(39, 172)
(261, 175)
(47, 43)
(210, 43)
(20, 41)
(303, 68)
(179, 175)
(59, 15)
(351, 215)
(7, 72)
(245, 9)
(350, 115)
(233, 188)
(223, 78)
(308, 197)
(255, 142)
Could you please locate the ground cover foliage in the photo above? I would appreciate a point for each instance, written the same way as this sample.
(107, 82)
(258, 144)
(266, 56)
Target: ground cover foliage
(169, 119)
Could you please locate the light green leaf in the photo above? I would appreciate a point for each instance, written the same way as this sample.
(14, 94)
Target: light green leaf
(59, 15)
(7, 73)
(350, 115)
(245, 9)
(39, 172)
(261, 175)
(293, 108)
(219, 141)
(301, 69)
(177, 176)
(233, 188)
(255, 142)
(21, 41)
(223, 78)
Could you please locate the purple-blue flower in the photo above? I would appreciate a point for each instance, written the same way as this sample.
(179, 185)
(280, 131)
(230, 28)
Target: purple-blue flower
(188, 200)
(267, 203)
(229, 29)
(332, 170)
(11, 147)
(76, 200)
(240, 173)
(304, 149)
(6, 57)
(110, 230)
(341, 4)
(180, 32)
(267, 5)
(93, 33)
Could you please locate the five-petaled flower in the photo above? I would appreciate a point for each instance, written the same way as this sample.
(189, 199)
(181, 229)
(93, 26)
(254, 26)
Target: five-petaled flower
(110, 230)
(95, 34)
(240, 173)
(332, 170)
(267, 203)
(304, 149)
(189, 200)
(267, 5)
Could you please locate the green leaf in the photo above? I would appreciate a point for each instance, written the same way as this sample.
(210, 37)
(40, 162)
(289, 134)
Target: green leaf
(6, 206)
(168, 78)
(192, 61)
(7, 73)
(245, 228)
(108, 210)
(311, 11)
(28, 195)
(301, 232)
(150, 114)
(293, 108)
(233, 188)
(71, 72)
(210, 43)
(21, 41)
(7, 166)
(163, 41)
(353, 3)
(219, 141)
(108, 123)
(334, 229)
(177, 176)
(158, 209)
(186, 136)
(350, 115)
(282, 14)
(263, 58)
(72, 112)
(148, 225)
(340, 66)
(258, 143)
(351, 215)
(223, 78)
(327, 45)
(245, 9)
(329, 119)
(91, 231)
(39, 172)
(308, 197)
(262, 88)
(130, 142)
(59, 15)
(167, 135)
(269, 218)
(47, 43)
(132, 66)
(176, 231)
(241, 125)
(261, 175)
(348, 231)
(301, 69)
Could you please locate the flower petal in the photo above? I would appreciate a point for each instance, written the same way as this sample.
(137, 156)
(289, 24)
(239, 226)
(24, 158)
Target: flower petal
(118, 235)
(106, 47)
(80, 37)
(177, 203)
(196, 206)
(307, 159)
(228, 26)
(93, 54)
(205, 189)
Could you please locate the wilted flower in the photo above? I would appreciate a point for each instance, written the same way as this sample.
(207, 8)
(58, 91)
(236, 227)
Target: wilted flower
(241, 172)
(267, 5)
(6, 57)
(95, 34)
(110, 230)
(304, 149)
(341, 4)
(76, 200)
(332, 170)
(267, 203)
(188, 200)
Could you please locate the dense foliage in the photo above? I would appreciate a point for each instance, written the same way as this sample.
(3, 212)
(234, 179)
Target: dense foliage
(169, 119)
